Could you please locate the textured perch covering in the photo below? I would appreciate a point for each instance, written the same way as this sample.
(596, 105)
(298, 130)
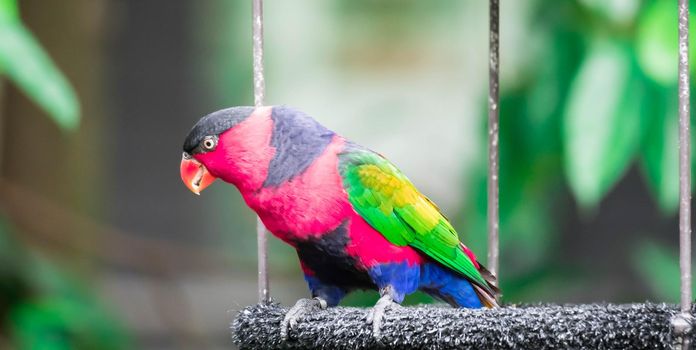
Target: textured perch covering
(593, 326)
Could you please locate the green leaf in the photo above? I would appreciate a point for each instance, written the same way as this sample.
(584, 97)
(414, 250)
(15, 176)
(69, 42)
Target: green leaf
(63, 323)
(9, 10)
(657, 41)
(660, 160)
(659, 269)
(601, 131)
(61, 313)
(660, 147)
(616, 10)
(28, 66)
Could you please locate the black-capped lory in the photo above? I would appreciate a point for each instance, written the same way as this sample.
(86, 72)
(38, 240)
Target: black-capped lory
(356, 221)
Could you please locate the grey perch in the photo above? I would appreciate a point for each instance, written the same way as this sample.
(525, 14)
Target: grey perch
(592, 326)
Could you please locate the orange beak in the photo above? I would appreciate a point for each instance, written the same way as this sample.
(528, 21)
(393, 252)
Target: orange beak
(194, 174)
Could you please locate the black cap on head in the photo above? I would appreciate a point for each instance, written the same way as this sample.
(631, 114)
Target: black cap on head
(214, 124)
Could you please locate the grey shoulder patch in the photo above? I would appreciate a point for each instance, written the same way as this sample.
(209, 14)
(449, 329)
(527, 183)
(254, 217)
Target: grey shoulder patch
(298, 140)
(214, 124)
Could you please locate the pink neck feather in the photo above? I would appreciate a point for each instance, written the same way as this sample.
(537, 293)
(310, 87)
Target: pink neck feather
(244, 152)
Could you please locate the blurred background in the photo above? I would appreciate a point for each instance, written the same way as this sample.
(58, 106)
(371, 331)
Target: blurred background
(102, 247)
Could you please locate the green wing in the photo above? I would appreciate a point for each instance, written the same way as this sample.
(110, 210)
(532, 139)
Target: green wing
(391, 204)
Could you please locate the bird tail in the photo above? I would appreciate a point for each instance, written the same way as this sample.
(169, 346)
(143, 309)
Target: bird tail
(488, 293)
(489, 296)
(488, 299)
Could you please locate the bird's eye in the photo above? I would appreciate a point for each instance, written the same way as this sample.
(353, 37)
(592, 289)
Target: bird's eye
(209, 143)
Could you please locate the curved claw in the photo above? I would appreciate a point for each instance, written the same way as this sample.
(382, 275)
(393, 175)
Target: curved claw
(376, 315)
(301, 308)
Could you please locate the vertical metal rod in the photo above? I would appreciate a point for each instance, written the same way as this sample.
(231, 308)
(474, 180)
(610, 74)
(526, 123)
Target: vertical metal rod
(682, 323)
(684, 159)
(493, 113)
(259, 94)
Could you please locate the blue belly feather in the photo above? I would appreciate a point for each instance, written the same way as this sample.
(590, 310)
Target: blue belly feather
(431, 278)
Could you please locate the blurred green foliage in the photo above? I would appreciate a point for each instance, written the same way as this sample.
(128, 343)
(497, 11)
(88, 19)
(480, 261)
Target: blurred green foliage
(24, 61)
(41, 305)
(600, 98)
(661, 265)
(597, 98)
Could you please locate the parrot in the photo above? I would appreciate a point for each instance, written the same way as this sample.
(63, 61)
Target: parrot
(356, 221)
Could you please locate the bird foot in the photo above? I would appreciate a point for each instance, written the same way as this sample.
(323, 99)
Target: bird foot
(302, 307)
(376, 315)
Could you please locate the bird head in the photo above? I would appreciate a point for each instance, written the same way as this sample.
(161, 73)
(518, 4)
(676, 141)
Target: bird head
(217, 147)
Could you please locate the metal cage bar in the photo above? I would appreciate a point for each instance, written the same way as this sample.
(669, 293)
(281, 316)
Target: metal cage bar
(493, 114)
(682, 323)
(684, 158)
(259, 94)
